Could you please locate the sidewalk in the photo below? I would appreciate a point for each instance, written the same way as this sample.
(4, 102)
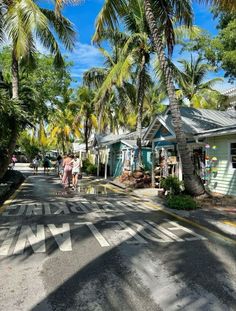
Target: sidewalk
(219, 219)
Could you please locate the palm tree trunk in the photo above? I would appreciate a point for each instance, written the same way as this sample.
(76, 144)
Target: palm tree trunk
(86, 135)
(193, 184)
(15, 76)
(140, 99)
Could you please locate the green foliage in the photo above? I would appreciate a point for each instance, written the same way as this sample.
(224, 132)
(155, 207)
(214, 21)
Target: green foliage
(89, 168)
(181, 202)
(219, 50)
(172, 184)
(28, 145)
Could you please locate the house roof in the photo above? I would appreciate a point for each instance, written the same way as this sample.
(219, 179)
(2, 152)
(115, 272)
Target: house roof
(130, 143)
(194, 121)
(109, 139)
(218, 132)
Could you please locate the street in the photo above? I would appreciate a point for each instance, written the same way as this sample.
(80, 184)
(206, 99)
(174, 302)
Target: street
(99, 249)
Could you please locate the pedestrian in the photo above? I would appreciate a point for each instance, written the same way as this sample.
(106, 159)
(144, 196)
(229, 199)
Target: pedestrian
(76, 171)
(35, 163)
(14, 160)
(46, 165)
(67, 174)
(60, 166)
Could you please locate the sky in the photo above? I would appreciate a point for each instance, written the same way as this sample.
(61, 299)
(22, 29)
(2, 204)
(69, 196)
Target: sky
(85, 55)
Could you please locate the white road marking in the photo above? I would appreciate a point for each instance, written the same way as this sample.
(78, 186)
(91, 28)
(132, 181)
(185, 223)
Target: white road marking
(143, 227)
(129, 230)
(101, 240)
(12, 208)
(5, 247)
(37, 241)
(62, 236)
(165, 231)
(62, 209)
(35, 209)
(47, 209)
(176, 226)
(75, 209)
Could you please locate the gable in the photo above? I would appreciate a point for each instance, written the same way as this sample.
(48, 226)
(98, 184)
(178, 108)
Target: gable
(162, 132)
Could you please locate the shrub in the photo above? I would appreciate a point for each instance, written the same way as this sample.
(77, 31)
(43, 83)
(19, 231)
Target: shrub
(88, 167)
(172, 183)
(181, 202)
(91, 169)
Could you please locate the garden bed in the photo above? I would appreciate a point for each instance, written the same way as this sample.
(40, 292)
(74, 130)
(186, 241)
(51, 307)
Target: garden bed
(9, 183)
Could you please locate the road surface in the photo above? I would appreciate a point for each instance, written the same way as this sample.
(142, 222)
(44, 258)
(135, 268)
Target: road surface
(104, 251)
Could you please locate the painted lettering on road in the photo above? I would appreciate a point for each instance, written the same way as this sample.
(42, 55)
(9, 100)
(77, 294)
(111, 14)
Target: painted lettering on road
(108, 233)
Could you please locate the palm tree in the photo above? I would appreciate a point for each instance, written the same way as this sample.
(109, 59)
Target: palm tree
(62, 130)
(22, 22)
(159, 16)
(191, 79)
(84, 111)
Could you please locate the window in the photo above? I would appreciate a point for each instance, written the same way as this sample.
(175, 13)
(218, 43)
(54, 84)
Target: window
(233, 154)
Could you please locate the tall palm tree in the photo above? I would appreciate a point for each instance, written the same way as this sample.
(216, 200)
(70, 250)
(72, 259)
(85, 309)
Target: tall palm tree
(191, 79)
(159, 16)
(22, 22)
(84, 113)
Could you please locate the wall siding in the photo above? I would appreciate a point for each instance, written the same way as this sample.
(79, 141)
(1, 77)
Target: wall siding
(224, 181)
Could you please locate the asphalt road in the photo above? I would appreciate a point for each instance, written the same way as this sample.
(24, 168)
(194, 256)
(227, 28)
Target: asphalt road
(107, 251)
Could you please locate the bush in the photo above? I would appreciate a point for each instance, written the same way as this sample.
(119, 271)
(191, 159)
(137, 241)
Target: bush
(181, 202)
(89, 168)
(172, 184)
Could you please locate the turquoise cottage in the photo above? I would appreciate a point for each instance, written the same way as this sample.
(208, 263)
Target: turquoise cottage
(211, 137)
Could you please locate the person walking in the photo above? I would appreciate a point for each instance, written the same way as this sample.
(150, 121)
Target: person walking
(46, 165)
(35, 164)
(13, 160)
(67, 174)
(76, 171)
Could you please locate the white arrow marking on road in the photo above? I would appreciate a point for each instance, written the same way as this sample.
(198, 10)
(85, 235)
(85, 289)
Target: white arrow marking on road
(129, 230)
(62, 236)
(37, 241)
(4, 249)
(101, 240)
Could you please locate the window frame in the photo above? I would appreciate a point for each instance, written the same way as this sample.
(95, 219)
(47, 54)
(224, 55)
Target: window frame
(231, 155)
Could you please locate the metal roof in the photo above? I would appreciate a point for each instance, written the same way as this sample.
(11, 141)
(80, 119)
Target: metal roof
(194, 121)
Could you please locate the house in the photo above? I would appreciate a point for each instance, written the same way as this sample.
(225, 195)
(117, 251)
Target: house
(211, 137)
(119, 152)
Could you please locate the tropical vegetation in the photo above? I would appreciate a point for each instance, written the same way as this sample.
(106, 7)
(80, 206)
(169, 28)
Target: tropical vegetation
(38, 104)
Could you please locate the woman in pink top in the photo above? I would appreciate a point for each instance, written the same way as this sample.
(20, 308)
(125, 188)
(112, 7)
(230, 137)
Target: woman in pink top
(67, 175)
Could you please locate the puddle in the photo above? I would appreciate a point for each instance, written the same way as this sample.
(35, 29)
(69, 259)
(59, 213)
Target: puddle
(92, 188)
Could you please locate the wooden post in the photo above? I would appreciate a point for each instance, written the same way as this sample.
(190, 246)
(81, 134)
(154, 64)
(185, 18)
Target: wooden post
(180, 167)
(153, 165)
(98, 163)
(106, 160)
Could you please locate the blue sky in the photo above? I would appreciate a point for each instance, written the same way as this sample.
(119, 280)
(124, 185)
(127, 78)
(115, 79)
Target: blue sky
(85, 55)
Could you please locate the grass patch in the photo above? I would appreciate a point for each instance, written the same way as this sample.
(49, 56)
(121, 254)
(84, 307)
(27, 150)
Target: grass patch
(181, 202)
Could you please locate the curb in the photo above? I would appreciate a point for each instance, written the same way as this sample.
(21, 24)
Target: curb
(150, 205)
(8, 202)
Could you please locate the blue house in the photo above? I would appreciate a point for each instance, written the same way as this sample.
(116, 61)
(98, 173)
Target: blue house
(119, 152)
(211, 137)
